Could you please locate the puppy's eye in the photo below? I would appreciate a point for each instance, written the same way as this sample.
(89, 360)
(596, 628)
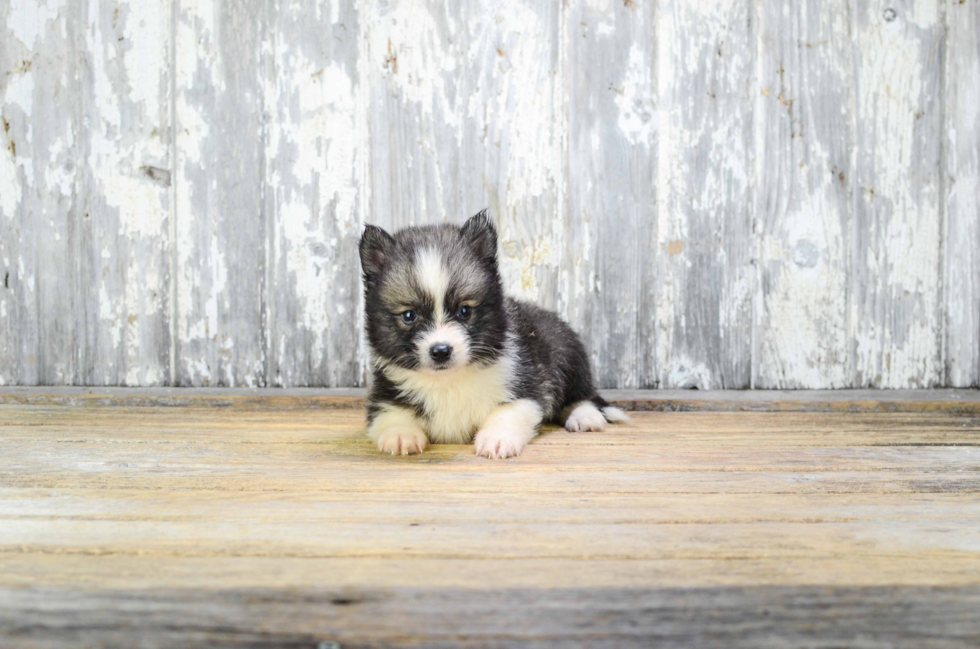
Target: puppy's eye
(409, 317)
(464, 312)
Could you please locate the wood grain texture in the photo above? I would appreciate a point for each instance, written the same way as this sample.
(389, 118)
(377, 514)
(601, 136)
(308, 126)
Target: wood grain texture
(313, 194)
(961, 147)
(412, 54)
(705, 278)
(465, 115)
(328, 617)
(122, 246)
(220, 223)
(512, 141)
(717, 195)
(896, 280)
(220, 526)
(803, 176)
(38, 205)
(611, 207)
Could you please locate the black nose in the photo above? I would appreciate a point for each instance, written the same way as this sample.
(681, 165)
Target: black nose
(440, 352)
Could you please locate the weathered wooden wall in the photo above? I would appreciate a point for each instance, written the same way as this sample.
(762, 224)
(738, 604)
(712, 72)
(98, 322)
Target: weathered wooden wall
(724, 194)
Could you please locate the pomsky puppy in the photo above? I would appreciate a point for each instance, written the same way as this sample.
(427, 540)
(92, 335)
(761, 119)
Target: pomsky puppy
(453, 357)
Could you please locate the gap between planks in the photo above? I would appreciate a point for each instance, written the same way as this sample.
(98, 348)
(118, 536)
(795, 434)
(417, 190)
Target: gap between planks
(856, 401)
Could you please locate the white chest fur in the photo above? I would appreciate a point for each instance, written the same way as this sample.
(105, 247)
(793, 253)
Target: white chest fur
(456, 403)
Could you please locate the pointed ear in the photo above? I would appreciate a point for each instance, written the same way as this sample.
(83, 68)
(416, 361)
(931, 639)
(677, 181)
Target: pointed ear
(375, 247)
(481, 234)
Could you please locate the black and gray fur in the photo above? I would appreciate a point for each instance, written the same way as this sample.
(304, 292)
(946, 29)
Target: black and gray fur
(552, 366)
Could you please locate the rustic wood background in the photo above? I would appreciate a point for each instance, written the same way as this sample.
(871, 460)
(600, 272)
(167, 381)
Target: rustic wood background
(717, 194)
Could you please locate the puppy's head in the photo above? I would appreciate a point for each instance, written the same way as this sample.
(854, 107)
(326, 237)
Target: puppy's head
(433, 297)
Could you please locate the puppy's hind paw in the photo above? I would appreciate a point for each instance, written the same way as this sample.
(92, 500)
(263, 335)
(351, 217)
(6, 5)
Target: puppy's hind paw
(614, 415)
(402, 441)
(585, 417)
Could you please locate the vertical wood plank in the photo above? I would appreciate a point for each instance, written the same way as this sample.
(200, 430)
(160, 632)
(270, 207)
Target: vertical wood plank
(38, 113)
(465, 115)
(413, 68)
(896, 296)
(611, 207)
(512, 124)
(123, 247)
(705, 276)
(961, 146)
(312, 183)
(220, 220)
(803, 118)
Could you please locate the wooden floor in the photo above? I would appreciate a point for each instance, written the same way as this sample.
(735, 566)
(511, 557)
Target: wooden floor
(266, 526)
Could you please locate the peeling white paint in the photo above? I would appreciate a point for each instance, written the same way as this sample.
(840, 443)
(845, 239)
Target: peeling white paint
(417, 54)
(407, 111)
(961, 146)
(526, 98)
(802, 216)
(925, 13)
(218, 283)
(19, 94)
(146, 36)
(636, 107)
(898, 192)
(60, 176)
(110, 316)
(312, 147)
(20, 91)
(518, 108)
(10, 189)
(126, 176)
(703, 294)
(27, 21)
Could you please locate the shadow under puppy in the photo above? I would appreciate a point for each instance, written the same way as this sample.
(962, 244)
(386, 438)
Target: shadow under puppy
(452, 356)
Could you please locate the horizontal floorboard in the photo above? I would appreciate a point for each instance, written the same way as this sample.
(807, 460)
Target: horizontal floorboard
(756, 616)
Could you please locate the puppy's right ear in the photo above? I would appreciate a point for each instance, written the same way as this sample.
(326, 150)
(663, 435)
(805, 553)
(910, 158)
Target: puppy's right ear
(375, 247)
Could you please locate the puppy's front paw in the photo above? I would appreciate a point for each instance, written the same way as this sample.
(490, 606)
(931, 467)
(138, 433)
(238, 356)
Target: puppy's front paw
(585, 416)
(500, 442)
(402, 441)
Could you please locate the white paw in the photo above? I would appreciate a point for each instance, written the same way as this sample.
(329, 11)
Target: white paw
(585, 416)
(402, 441)
(499, 442)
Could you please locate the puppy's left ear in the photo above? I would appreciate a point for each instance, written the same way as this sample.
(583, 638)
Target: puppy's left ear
(482, 236)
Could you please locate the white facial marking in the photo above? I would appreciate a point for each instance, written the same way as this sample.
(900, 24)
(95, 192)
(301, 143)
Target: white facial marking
(433, 279)
(584, 416)
(450, 333)
(508, 429)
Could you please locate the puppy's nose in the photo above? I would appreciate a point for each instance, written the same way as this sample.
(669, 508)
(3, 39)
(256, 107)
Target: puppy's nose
(440, 352)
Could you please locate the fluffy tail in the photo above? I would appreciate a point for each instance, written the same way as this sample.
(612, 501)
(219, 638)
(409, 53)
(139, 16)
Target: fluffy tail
(611, 413)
